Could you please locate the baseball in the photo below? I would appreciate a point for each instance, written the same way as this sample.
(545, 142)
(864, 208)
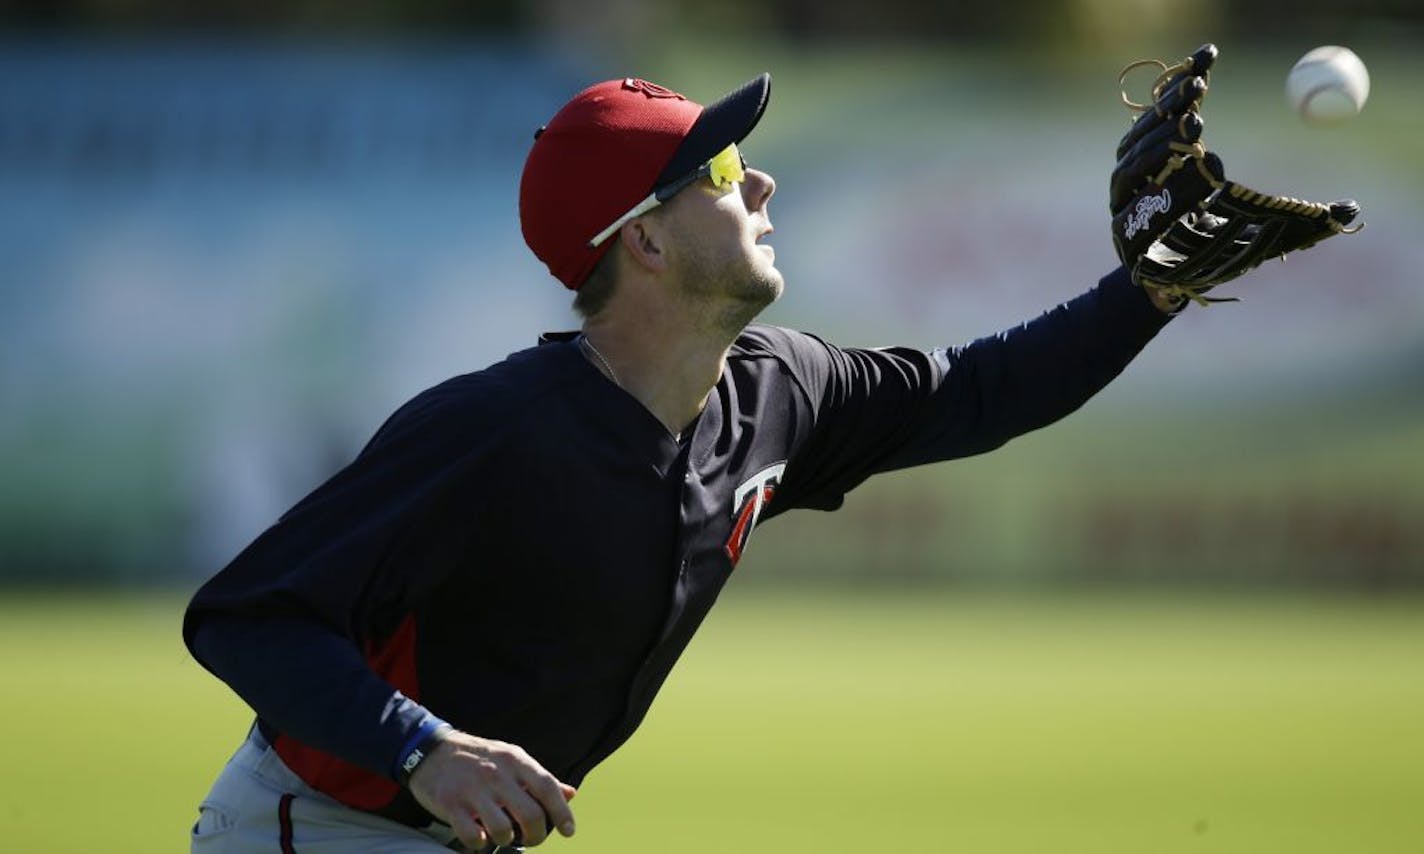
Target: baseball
(1328, 85)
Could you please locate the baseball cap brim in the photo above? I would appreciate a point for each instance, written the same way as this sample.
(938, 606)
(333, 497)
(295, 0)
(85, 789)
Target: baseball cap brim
(722, 123)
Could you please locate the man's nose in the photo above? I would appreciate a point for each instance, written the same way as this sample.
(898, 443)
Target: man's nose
(757, 189)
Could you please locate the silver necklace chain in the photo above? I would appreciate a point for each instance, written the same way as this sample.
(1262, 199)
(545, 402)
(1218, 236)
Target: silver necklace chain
(602, 362)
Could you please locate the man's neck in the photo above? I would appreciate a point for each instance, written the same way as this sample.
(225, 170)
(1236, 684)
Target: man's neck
(668, 363)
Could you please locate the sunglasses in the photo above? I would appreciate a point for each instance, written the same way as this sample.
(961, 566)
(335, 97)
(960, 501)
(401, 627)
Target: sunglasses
(726, 167)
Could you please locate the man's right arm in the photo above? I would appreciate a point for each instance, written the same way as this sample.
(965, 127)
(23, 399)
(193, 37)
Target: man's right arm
(282, 623)
(312, 684)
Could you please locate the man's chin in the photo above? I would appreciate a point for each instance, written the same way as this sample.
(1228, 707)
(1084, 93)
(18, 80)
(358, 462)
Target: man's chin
(766, 288)
(778, 287)
(753, 295)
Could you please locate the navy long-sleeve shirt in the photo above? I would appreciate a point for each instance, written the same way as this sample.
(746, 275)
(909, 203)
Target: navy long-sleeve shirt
(525, 551)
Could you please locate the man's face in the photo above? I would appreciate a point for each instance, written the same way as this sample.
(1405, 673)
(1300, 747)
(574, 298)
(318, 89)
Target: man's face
(715, 249)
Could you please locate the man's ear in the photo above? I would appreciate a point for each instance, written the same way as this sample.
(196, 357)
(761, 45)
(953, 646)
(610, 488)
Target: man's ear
(645, 243)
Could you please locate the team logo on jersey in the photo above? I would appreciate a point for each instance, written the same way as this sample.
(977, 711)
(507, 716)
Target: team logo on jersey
(747, 503)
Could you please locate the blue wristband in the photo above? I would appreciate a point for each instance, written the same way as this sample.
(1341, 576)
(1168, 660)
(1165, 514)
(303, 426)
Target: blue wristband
(418, 747)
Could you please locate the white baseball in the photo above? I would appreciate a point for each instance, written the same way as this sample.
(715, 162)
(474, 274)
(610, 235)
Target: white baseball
(1328, 85)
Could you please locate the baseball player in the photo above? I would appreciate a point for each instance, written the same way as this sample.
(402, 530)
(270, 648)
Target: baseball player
(441, 641)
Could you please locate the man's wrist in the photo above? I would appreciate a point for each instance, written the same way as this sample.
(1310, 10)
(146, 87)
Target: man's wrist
(419, 746)
(1166, 303)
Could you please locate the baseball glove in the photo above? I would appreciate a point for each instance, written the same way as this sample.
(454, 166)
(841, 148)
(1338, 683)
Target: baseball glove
(1178, 224)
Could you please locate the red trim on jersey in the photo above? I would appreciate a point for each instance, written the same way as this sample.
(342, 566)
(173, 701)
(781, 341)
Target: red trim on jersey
(393, 660)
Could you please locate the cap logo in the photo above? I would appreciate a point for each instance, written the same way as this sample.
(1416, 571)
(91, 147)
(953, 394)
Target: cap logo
(652, 90)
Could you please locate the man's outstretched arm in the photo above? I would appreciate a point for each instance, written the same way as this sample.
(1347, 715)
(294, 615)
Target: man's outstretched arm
(891, 408)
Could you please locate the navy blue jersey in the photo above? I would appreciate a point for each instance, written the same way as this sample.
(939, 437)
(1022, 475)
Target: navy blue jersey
(525, 551)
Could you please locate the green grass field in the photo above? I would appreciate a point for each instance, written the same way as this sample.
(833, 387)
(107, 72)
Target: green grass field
(857, 721)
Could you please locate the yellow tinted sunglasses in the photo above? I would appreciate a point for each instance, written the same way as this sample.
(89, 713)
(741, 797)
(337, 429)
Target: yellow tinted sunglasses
(726, 167)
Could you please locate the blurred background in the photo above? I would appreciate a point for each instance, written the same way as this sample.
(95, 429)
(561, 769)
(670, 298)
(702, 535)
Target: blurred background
(235, 236)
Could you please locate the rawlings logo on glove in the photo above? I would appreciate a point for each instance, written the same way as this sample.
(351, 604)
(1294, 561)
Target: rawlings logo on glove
(1146, 207)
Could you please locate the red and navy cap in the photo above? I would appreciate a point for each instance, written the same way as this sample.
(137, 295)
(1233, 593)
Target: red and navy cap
(607, 149)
